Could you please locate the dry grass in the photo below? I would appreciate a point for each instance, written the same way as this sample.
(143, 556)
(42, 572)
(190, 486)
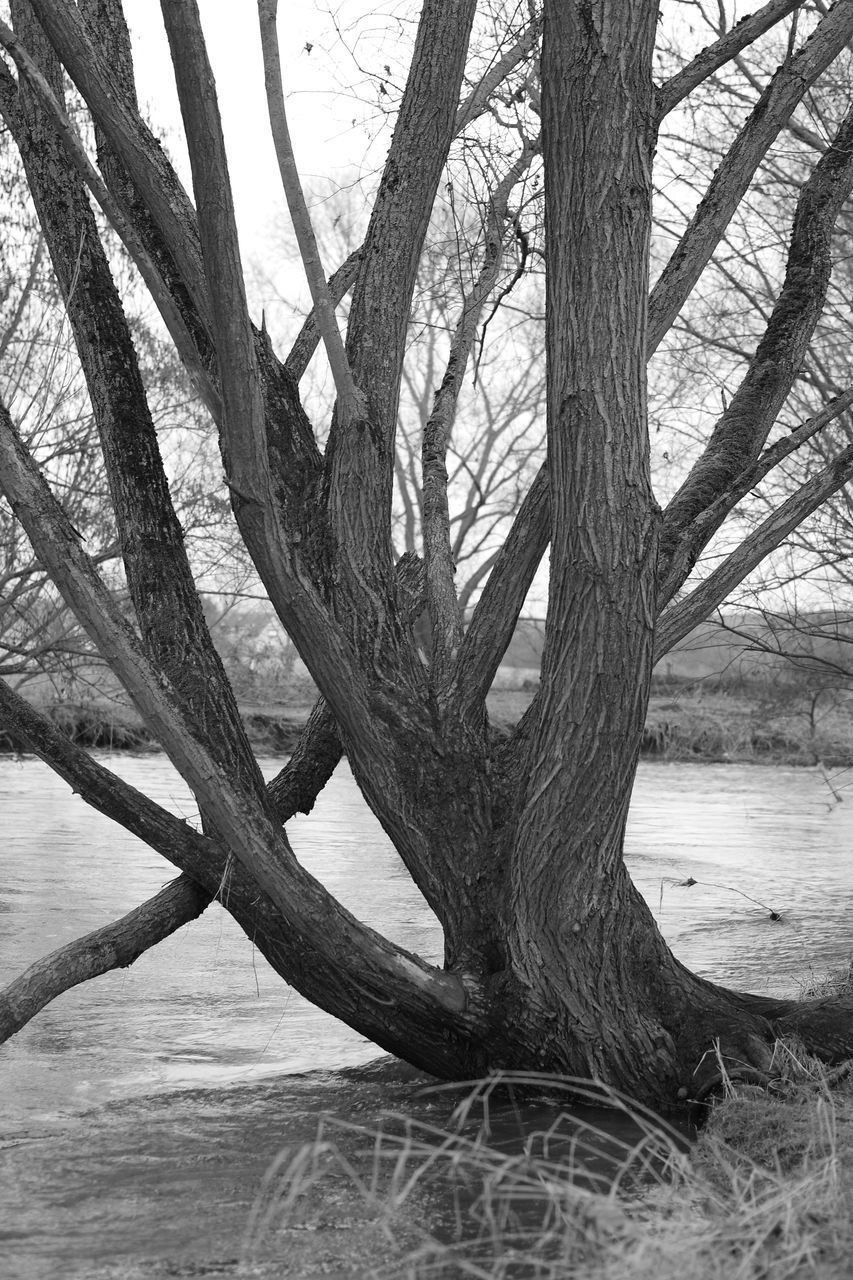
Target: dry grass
(767, 1191)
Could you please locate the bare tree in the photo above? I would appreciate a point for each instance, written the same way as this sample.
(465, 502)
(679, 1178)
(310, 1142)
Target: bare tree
(552, 958)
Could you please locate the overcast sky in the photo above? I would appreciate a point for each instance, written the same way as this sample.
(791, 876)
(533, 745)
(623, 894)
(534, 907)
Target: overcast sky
(329, 101)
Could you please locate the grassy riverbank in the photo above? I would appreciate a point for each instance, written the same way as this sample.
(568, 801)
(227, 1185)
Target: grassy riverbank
(765, 1193)
(694, 722)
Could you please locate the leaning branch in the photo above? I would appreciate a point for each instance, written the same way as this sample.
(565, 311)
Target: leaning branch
(729, 184)
(327, 953)
(681, 618)
(344, 989)
(741, 431)
(114, 946)
(723, 50)
(337, 287)
(153, 176)
(122, 225)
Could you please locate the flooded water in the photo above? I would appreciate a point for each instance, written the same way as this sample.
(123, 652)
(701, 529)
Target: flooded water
(199, 1038)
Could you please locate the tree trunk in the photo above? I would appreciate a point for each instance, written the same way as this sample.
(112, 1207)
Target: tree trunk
(552, 958)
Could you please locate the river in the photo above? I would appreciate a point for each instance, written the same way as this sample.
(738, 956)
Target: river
(769, 850)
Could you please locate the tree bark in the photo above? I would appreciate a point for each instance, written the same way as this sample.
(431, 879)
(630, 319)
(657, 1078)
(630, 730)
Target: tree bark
(552, 959)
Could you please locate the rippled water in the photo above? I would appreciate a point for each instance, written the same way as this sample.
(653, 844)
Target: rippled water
(139, 1112)
(204, 1009)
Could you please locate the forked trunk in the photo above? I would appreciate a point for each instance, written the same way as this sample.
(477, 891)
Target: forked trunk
(552, 959)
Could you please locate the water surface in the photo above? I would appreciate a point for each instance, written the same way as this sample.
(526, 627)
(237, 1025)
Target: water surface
(204, 1009)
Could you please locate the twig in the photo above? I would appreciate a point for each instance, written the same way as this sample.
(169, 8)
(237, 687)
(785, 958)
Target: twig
(710, 884)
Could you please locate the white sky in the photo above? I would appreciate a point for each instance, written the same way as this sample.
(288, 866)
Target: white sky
(327, 110)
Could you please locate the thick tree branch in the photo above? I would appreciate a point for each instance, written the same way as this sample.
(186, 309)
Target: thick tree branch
(729, 184)
(682, 617)
(159, 577)
(121, 224)
(114, 946)
(152, 174)
(244, 434)
(741, 431)
(716, 55)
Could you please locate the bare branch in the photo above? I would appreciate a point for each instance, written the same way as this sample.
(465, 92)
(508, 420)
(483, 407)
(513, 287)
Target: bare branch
(477, 100)
(680, 618)
(473, 106)
(361, 462)
(351, 403)
(729, 184)
(728, 46)
(114, 946)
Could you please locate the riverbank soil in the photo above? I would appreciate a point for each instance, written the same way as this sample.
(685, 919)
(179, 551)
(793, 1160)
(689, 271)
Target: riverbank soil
(702, 723)
(694, 722)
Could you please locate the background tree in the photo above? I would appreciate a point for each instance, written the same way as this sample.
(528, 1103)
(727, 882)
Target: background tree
(552, 958)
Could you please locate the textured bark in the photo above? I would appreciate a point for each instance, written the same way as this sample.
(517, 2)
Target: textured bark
(161, 585)
(567, 845)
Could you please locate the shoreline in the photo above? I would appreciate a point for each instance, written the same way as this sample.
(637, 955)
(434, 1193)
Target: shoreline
(715, 728)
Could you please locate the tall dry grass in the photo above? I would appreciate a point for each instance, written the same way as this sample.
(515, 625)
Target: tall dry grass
(765, 1192)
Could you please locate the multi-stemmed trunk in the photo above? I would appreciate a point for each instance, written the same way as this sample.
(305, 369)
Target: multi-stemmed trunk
(553, 961)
